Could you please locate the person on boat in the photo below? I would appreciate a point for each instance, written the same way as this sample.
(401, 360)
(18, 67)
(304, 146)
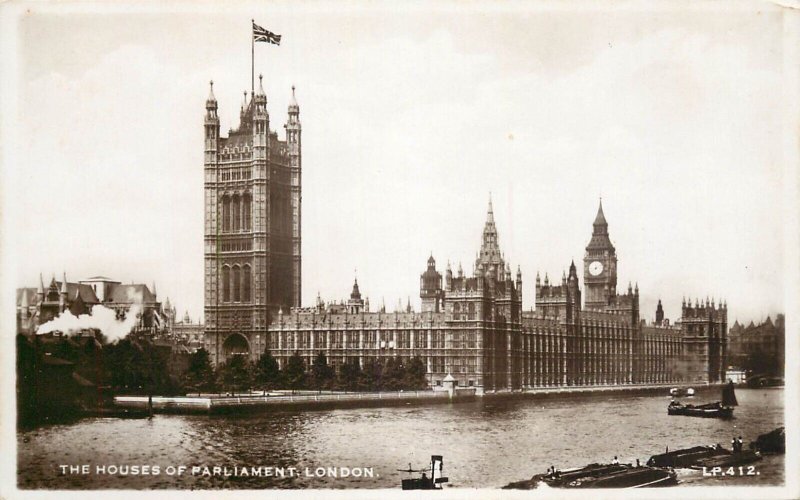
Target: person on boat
(615, 461)
(425, 480)
(740, 444)
(734, 444)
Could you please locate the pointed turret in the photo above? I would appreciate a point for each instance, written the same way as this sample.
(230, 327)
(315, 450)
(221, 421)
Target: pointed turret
(600, 218)
(600, 240)
(490, 254)
(294, 108)
(573, 271)
(211, 101)
(356, 293)
(260, 92)
(40, 290)
(64, 284)
(659, 313)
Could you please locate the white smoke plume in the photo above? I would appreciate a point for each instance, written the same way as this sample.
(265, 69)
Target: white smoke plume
(101, 318)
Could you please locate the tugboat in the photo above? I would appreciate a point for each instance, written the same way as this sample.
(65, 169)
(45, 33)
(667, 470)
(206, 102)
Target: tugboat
(434, 482)
(600, 476)
(717, 409)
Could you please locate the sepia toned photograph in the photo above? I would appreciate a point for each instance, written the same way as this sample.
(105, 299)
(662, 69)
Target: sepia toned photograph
(483, 249)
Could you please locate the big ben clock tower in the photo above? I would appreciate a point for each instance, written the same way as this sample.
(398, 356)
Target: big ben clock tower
(600, 265)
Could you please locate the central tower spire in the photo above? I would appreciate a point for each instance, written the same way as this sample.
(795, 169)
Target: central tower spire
(490, 255)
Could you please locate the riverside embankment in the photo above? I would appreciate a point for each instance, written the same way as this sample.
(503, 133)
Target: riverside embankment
(216, 404)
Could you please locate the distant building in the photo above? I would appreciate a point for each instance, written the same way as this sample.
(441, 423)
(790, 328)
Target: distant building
(759, 349)
(38, 305)
(185, 332)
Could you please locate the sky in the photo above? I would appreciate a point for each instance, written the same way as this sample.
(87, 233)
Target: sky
(411, 118)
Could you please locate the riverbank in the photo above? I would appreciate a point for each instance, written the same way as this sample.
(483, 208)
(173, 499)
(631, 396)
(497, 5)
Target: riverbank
(256, 403)
(213, 404)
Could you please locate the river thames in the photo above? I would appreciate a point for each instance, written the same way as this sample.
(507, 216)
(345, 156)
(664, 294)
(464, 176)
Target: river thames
(485, 443)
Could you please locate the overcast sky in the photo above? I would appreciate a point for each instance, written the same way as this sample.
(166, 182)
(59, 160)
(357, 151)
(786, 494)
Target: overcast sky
(410, 119)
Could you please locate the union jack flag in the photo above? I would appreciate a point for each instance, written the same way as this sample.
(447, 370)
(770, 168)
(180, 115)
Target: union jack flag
(262, 35)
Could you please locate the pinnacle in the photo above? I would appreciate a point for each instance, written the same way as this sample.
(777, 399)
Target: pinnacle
(600, 219)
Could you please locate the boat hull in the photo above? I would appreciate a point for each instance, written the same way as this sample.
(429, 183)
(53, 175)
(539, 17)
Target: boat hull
(602, 476)
(706, 411)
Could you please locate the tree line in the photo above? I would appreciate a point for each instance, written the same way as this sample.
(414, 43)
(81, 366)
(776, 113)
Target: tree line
(238, 373)
(80, 369)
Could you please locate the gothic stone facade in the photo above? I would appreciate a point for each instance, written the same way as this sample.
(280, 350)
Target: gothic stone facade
(252, 225)
(474, 329)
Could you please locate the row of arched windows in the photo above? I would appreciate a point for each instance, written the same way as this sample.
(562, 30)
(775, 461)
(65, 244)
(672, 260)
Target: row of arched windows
(237, 212)
(236, 283)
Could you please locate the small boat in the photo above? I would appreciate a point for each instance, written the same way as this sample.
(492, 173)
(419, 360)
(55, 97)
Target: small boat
(717, 409)
(731, 459)
(686, 457)
(771, 442)
(709, 410)
(698, 457)
(434, 482)
(680, 392)
(729, 395)
(600, 476)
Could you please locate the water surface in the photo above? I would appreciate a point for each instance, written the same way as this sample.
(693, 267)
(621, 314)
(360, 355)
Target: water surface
(486, 443)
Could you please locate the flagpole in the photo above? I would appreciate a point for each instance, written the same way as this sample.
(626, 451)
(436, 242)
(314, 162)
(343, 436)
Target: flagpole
(252, 59)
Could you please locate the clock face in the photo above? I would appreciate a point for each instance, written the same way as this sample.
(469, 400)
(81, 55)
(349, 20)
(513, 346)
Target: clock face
(595, 268)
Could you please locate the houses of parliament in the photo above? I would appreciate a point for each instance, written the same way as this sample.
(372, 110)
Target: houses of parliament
(472, 328)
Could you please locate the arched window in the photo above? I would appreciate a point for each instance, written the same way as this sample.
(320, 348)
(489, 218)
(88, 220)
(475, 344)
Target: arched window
(246, 283)
(456, 311)
(237, 284)
(226, 213)
(247, 210)
(226, 284)
(235, 213)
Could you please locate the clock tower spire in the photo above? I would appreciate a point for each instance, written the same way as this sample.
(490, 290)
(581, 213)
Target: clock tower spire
(600, 265)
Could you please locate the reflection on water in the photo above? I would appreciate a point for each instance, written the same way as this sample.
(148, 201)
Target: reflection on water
(486, 443)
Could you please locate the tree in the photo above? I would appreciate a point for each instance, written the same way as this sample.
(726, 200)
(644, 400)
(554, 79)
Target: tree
(393, 374)
(350, 376)
(295, 371)
(373, 374)
(415, 375)
(267, 372)
(321, 373)
(200, 374)
(236, 373)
